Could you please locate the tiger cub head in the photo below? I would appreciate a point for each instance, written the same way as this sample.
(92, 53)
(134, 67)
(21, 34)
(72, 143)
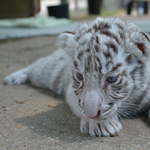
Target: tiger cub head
(109, 61)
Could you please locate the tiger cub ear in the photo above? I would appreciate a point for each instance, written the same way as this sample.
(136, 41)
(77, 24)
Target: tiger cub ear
(67, 42)
(140, 45)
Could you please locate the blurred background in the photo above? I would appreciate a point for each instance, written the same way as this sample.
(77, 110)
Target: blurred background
(77, 9)
(82, 9)
(27, 18)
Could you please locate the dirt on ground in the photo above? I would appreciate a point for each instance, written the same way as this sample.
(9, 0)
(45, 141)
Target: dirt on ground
(37, 119)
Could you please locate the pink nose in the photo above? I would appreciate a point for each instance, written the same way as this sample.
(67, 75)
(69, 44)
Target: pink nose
(97, 116)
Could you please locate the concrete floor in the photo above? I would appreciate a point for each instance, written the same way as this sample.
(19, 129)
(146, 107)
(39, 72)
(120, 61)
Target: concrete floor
(32, 125)
(8, 33)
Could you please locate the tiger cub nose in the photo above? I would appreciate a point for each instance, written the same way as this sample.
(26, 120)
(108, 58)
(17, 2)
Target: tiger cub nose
(97, 116)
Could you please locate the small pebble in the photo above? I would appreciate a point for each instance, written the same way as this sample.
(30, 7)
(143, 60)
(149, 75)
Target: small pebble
(3, 106)
(54, 105)
(6, 109)
(49, 105)
(20, 102)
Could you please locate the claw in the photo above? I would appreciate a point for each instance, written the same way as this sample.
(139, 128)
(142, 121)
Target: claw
(111, 134)
(96, 132)
(84, 130)
(110, 128)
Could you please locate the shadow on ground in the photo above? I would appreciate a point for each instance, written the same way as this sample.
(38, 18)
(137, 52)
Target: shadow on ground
(58, 123)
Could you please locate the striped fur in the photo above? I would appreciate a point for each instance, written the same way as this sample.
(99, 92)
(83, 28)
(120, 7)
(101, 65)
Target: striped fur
(104, 48)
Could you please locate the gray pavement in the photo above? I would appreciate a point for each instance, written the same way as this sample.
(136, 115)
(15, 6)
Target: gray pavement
(142, 22)
(27, 123)
(7, 33)
(144, 25)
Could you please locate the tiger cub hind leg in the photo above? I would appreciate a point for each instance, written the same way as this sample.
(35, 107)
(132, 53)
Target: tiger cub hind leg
(20, 76)
(17, 77)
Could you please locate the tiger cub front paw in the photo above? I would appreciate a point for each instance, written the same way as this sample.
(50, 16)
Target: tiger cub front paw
(110, 127)
(90, 127)
(105, 128)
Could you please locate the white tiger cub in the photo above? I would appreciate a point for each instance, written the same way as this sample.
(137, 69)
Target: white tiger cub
(104, 70)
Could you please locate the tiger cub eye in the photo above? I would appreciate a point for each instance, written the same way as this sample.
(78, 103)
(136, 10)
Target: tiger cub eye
(79, 76)
(112, 79)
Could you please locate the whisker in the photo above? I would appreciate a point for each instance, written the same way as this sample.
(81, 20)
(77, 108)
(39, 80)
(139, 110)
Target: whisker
(130, 104)
(125, 115)
(125, 106)
(121, 118)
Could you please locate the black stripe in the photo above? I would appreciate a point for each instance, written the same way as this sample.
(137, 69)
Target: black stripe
(107, 54)
(75, 64)
(116, 98)
(119, 26)
(69, 32)
(146, 36)
(112, 46)
(116, 67)
(96, 48)
(80, 55)
(129, 59)
(107, 33)
(124, 73)
(96, 59)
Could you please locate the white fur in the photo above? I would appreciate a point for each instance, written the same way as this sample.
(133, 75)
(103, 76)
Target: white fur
(94, 95)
